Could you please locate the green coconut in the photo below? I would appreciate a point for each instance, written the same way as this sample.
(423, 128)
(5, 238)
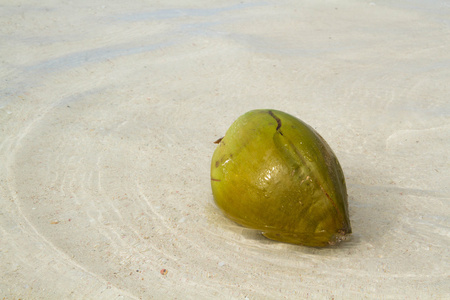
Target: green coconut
(274, 173)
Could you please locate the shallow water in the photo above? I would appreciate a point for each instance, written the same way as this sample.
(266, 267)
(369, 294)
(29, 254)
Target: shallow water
(108, 115)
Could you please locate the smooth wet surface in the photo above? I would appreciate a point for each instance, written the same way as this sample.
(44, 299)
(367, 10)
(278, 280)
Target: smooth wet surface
(109, 111)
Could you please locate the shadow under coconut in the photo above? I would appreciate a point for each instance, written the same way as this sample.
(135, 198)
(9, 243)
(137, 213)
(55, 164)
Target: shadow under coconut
(373, 212)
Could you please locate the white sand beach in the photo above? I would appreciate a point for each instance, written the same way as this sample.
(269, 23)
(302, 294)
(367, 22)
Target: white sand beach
(109, 111)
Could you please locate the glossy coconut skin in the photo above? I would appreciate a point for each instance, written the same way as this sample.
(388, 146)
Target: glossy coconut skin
(274, 173)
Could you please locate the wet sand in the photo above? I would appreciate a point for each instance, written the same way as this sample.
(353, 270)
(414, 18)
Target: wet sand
(109, 111)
